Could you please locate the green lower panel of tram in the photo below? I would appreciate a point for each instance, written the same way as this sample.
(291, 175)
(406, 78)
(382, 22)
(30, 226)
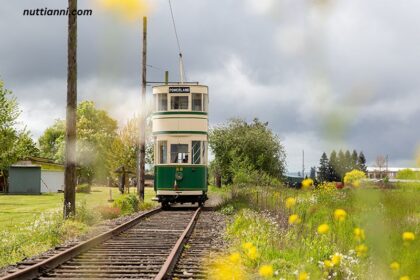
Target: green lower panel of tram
(181, 183)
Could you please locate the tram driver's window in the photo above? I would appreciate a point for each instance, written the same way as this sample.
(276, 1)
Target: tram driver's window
(196, 152)
(179, 153)
(162, 102)
(196, 102)
(162, 146)
(179, 102)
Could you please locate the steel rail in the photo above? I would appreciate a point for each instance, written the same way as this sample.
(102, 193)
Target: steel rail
(54, 261)
(176, 251)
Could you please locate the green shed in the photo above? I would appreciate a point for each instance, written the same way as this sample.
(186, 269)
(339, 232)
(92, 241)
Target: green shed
(25, 179)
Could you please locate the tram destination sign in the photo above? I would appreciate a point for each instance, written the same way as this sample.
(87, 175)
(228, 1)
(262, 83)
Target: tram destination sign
(179, 89)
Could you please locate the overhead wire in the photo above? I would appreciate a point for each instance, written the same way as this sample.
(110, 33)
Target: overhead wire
(181, 62)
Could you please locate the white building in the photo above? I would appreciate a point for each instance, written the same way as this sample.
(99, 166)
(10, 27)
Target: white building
(390, 172)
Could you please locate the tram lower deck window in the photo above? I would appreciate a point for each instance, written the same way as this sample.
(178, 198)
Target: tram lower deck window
(179, 153)
(162, 148)
(179, 102)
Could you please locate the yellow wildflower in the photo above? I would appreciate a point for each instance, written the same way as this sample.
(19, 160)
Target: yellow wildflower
(340, 215)
(303, 276)
(359, 234)
(252, 253)
(408, 236)
(247, 245)
(323, 229)
(328, 263)
(394, 266)
(307, 183)
(266, 271)
(294, 219)
(405, 277)
(361, 250)
(235, 257)
(290, 202)
(336, 259)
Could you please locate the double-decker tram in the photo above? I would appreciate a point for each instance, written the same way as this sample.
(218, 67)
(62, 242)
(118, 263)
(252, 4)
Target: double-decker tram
(180, 130)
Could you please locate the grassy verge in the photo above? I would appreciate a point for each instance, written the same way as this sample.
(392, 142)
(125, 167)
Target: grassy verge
(32, 224)
(365, 233)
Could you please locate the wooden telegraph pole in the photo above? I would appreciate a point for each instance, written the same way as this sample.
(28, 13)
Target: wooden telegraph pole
(70, 149)
(142, 150)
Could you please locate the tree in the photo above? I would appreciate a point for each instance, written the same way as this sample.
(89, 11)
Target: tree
(323, 170)
(252, 146)
(15, 144)
(354, 159)
(408, 174)
(333, 175)
(312, 173)
(361, 162)
(96, 132)
(354, 177)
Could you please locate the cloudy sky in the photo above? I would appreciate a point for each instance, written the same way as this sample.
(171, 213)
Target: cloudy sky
(325, 74)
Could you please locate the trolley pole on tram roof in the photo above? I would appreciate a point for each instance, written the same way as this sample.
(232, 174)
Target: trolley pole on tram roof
(142, 150)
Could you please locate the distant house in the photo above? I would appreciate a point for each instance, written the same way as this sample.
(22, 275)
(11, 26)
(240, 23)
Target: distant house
(389, 172)
(35, 175)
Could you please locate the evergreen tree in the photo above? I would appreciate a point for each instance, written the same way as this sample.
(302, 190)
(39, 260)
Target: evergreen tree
(312, 174)
(332, 167)
(340, 166)
(347, 164)
(323, 170)
(362, 162)
(354, 160)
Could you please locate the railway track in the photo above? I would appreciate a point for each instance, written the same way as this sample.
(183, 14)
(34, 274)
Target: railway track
(147, 247)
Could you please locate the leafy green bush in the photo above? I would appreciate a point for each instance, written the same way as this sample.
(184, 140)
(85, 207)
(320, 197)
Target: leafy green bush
(147, 205)
(86, 215)
(83, 188)
(408, 174)
(127, 203)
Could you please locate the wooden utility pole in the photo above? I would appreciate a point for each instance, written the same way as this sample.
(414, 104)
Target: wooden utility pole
(142, 150)
(70, 149)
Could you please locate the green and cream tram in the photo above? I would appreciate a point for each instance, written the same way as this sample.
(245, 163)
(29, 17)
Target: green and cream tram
(180, 130)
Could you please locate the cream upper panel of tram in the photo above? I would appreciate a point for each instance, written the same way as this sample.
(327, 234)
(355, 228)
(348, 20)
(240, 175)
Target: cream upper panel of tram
(178, 124)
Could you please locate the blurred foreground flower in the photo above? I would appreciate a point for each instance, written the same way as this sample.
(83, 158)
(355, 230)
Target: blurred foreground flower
(340, 215)
(394, 266)
(266, 271)
(303, 276)
(336, 259)
(361, 250)
(235, 257)
(359, 234)
(324, 228)
(294, 219)
(405, 277)
(247, 245)
(290, 202)
(408, 236)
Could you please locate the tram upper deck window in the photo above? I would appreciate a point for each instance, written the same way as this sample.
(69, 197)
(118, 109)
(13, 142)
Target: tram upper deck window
(179, 153)
(179, 102)
(162, 150)
(197, 104)
(162, 102)
(205, 102)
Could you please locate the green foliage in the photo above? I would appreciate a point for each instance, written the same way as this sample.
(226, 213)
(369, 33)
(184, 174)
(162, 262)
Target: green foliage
(83, 188)
(238, 146)
(408, 174)
(127, 203)
(334, 169)
(323, 171)
(85, 215)
(15, 144)
(51, 143)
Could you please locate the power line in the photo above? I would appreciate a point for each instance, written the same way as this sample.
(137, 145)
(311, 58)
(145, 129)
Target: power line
(176, 33)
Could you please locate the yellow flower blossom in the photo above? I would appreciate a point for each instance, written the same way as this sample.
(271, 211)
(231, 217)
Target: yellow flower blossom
(359, 234)
(336, 259)
(235, 257)
(408, 236)
(395, 266)
(361, 250)
(252, 253)
(303, 276)
(294, 219)
(328, 263)
(405, 277)
(247, 245)
(307, 183)
(340, 215)
(323, 229)
(266, 271)
(290, 202)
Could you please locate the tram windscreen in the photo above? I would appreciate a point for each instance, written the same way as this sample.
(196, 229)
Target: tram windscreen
(179, 153)
(179, 102)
